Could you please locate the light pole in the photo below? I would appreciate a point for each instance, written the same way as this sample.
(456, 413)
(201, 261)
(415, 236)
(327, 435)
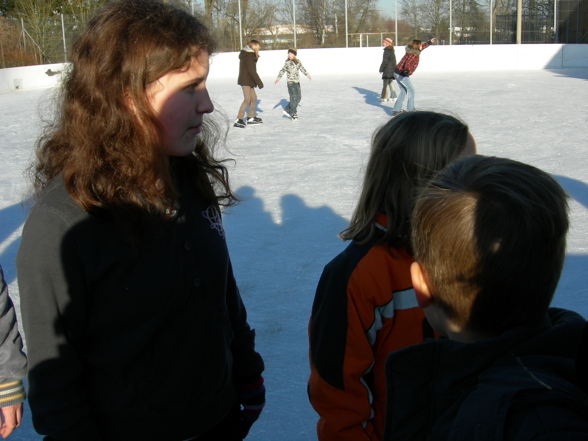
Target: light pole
(346, 28)
(396, 22)
(294, 14)
(555, 21)
(240, 31)
(451, 23)
(519, 21)
(490, 21)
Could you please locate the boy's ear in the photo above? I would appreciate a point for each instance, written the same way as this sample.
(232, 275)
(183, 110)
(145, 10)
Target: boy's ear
(420, 285)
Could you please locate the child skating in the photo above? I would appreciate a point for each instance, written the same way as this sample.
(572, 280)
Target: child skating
(404, 70)
(248, 80)
(387, 70)
(292, 66)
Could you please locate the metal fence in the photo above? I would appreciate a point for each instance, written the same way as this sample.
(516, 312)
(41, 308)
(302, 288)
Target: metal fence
(43, 41)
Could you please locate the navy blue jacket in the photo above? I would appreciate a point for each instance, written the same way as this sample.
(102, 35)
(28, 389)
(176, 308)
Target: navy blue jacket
(519, 386)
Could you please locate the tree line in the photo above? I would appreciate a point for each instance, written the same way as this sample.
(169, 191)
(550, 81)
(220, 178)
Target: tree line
(32, 31)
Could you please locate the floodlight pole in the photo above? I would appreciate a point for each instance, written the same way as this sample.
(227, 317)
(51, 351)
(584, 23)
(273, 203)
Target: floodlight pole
(555, 21)
(490, 21)
(396, 22)
(294, 14)
(346, 27)
(240, 30)
(519, 21)
(451, 22)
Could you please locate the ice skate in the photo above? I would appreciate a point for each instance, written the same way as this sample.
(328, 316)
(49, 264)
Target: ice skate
(254, 120)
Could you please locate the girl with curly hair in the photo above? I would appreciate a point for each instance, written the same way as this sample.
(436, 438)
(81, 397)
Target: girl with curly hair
(134, 323)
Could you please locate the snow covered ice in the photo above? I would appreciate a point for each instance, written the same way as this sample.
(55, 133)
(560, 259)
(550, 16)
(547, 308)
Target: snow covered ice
(300, 182)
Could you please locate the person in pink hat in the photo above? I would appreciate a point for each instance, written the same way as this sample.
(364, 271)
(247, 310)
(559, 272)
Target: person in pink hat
(387, 71)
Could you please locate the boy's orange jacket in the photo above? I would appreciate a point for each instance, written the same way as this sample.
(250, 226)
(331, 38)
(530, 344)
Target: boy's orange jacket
(364, 308)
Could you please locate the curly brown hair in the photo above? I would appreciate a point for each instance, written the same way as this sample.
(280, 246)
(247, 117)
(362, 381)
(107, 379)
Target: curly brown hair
(104, 136)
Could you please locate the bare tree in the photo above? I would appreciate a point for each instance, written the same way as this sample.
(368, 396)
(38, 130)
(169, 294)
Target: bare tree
(41, 25)
(259, 14)
(411, 11)
(435, 12)
(314, 13)
(362, 15)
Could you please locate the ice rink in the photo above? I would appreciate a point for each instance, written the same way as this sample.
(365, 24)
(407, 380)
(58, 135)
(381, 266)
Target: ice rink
(300, 182)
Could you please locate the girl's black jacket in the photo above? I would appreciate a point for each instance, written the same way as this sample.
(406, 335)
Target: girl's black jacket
(129, 342)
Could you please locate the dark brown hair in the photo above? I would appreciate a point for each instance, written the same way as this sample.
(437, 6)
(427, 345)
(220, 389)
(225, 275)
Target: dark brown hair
(105, 134)
(416, 44)
(406, 153)
(490, 234)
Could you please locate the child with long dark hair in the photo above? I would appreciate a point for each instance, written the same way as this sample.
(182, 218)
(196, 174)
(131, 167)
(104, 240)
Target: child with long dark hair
(134, 324)
(292, 66)
(365, 307)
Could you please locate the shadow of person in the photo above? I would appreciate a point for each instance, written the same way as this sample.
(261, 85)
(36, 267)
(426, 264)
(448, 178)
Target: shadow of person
(572, 290)
(258, 111)
(277, 266)
(373, 99)
(11, 220)
(282, 105)
(577, 190)
(251, 238)
(278, 263)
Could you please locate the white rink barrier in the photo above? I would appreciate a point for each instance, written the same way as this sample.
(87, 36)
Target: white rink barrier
(338, 61)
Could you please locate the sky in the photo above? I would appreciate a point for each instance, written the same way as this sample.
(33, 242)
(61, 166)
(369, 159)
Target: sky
(300, 183)
(387, 8)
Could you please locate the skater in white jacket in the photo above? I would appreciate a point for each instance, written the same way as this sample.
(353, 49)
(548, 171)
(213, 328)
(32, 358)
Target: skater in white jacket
(292, 66)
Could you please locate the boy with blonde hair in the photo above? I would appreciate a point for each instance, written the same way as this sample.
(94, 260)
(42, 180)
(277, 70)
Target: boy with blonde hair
(489, 237)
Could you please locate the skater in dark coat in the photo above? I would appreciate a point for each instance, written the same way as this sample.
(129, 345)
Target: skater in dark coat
(387, 71)
(134, 324)
(248, 80)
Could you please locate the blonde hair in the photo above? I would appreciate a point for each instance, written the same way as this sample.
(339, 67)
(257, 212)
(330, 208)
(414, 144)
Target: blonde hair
(406, 153)
(256, 46)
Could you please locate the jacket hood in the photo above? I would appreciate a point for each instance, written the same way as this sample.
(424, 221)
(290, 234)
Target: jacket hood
(245, 52)
(411, 50)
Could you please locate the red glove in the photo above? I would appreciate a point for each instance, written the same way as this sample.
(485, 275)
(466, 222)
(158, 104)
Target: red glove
(251, 396)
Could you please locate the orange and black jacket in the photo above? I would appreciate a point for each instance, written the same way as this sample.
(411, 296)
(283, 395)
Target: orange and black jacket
(364, 308)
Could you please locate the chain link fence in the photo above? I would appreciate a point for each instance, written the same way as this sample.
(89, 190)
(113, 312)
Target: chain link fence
(47, 40)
